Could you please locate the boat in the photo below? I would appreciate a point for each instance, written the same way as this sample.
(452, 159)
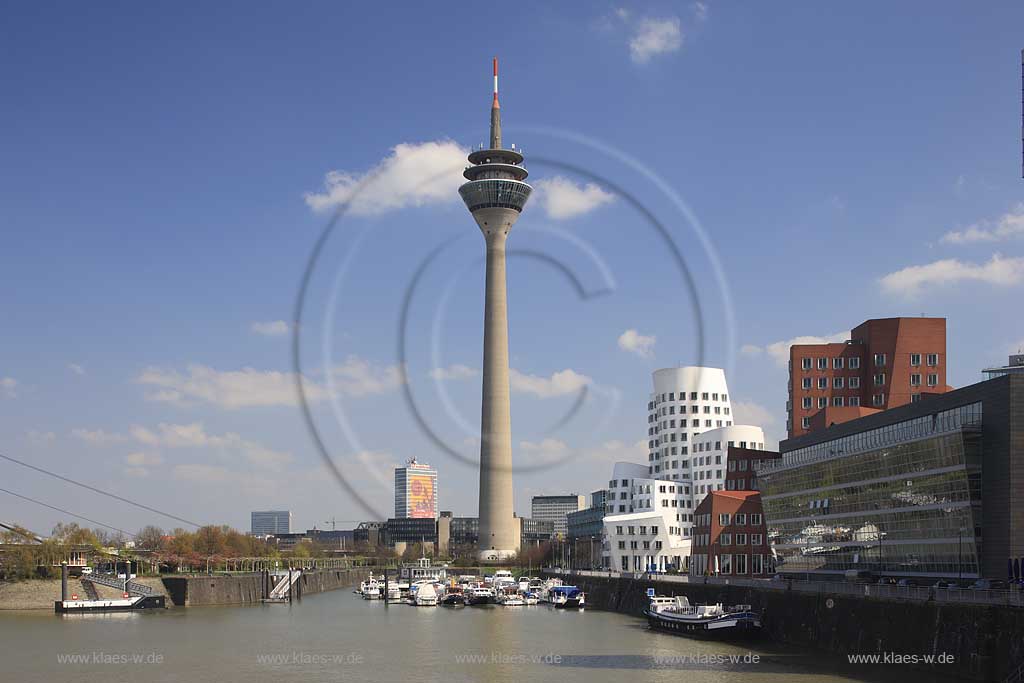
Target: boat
(454, 597)
(544, 592)
(508, 595)
(370, 589)
(530, 598)
(394, 593)
(567, 597)
(478, 595)
(426, 595)
(677, 615)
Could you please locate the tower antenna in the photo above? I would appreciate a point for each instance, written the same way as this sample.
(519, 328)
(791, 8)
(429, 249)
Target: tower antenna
(495, 113)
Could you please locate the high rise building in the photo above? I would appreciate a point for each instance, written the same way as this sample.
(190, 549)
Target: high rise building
(886, 362)
(556, 508)
(270, 522)
(415, 491)
(495, 193)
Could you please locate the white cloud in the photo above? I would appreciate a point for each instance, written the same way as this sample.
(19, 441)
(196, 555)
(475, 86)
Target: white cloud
(700, 11)
(1007, 226)
(76, 368)
(652, 37)
(912, 280)
(453, 372)
(142, 459)
(194, 435)
(779, 351)
(634, 342)
(248, 387)
(40, 438)
(547, 450)
(9, 386)
(751, 413)
(98, 436)
(380, 466)
(559, 384)
(414, 174)
(751, 350)
(275, 328)
(562, 198)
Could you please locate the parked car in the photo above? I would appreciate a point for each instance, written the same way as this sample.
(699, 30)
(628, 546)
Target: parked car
(887, 581)
(86, 571)
(906, 582)
(988, 585)
(944, 584)
(778, 578)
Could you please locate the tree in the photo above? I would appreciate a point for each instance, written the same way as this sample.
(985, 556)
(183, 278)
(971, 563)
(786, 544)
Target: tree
(150, 538)
(210, 541)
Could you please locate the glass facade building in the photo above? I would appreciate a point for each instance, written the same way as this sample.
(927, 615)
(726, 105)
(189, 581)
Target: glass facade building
(902, 499)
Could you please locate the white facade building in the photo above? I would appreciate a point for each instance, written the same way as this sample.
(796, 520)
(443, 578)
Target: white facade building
(689, 431)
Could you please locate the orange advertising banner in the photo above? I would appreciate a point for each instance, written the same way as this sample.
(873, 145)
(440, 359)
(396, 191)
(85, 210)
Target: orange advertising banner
(421, 496)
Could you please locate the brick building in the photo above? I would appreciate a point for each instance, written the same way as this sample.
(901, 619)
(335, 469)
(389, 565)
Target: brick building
(887, 362)
(729, 536)
(740, 464)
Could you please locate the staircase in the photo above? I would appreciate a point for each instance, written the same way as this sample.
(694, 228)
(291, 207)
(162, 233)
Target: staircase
(89, 589)
(283, 587)
(131, 587)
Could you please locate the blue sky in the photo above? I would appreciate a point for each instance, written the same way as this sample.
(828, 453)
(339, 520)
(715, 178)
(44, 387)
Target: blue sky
(167, 171)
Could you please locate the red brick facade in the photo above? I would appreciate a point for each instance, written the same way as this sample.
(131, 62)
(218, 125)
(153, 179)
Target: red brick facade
(729, 537)
(887, 362)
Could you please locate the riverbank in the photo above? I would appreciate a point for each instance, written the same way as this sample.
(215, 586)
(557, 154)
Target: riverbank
(981, 640)
(179, 590)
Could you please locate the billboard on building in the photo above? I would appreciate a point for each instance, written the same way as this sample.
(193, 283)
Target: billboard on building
(422, 503)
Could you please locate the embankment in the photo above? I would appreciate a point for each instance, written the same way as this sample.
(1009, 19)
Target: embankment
(986, 640)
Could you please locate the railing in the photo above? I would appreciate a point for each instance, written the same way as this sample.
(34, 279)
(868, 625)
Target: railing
(130, 587)
(284, 586)
(1013, 598)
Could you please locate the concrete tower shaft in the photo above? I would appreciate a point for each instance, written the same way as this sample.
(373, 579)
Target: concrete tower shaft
(495, 194)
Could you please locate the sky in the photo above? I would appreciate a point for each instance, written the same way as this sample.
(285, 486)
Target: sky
(711, 182)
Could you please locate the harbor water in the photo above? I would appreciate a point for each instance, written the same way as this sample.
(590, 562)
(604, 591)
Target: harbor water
(338, 636)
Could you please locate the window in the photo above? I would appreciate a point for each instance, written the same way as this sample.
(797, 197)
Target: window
(806, 423)
(837, 382)
(704, 396)
(806, 363)
(725, 564)
(933, 380)
(741, 539)
(725, 539)
(823, 382)
(837, 401)
(741, 519)
(756, 566)
(854, 363)
(714, 397)
(632, 530)
(823, 363)
(880, 360)
(915, 359)
(915, 380)
(625, 563)
(741, 564)
(837, 363)
(622, 545)
(933, 359)
(643, 530)
(618, 530)
(724, 519)
(807, 402)
(855, 382)
(725, 397)
(879, 379)
(693, 395)
(878, 400)
(822, 401)
(914, 398)
(694, 409)
(755, 518)
(654, 531)
(755, 539)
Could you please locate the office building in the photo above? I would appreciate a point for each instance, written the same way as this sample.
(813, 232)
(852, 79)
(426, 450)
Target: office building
(585, 530)
(555, 509)
(1014, 366)
(415, 491)
(886, 362)
(929, 489)
(270, 522)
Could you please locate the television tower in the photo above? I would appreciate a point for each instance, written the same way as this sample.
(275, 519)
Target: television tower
(495, 194)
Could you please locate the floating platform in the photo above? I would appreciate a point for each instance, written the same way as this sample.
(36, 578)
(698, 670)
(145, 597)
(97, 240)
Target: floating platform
(117, 605)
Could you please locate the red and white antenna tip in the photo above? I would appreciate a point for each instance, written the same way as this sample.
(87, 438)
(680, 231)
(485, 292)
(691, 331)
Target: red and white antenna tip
(495, 81)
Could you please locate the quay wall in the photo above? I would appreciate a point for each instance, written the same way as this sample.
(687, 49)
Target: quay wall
(986, 640)
(250, 588)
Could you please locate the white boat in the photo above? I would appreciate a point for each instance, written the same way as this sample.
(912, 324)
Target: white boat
(394, 593)
(370, 589)
(677, 615)
(567, 597)
(426, 595)
(478, 595)
(530, 598)
(544, 592)
(508, 595)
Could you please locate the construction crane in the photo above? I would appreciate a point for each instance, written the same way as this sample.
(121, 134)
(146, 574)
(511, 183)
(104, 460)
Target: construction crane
(334, 522)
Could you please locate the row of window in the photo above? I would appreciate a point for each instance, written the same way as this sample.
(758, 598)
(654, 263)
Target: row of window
(724, 539)
(732, 564)
(837, 383)
(725, 519)
(671, 396)
(853, 363)
(632, 530)
(694, 409)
